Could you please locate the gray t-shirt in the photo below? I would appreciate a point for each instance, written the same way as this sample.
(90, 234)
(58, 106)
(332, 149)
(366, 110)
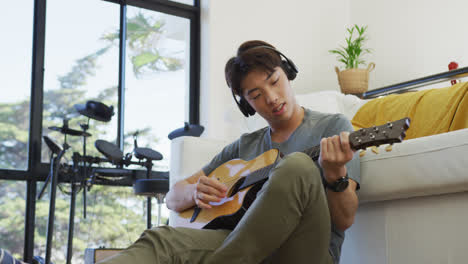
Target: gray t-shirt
(313, 128)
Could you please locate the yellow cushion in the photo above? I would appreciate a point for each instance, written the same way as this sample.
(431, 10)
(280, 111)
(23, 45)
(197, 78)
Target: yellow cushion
(431, 111)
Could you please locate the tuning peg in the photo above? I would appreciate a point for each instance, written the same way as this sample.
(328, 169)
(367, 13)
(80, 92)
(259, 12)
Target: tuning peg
(375, 149)
(389, 148)
(362, 153)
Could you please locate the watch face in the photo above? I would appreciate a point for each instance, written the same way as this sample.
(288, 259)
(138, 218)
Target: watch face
(341, 185)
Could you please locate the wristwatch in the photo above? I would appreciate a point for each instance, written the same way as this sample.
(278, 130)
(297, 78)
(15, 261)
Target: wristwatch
(339, 185)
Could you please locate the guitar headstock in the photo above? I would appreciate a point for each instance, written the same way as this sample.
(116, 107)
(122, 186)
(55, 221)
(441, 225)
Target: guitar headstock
(392, 132)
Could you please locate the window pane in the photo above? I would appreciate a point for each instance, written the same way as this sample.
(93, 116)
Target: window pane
(115, 219)
(16, 26)
(81, 64)
(12, 214)
(187, 2)
(157, 79)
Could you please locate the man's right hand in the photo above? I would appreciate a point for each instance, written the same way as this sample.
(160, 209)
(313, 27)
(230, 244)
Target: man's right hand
(208, 190)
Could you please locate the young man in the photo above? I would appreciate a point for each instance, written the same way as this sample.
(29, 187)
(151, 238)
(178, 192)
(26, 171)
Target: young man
(294, 218)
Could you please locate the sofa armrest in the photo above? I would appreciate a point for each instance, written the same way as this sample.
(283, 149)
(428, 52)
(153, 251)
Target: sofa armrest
(423, 166)
(190, 154)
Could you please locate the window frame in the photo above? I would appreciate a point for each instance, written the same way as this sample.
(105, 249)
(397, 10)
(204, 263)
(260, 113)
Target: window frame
(38, 171)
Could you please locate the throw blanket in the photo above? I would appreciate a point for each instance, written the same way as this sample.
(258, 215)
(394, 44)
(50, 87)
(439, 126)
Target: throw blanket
(431, 111)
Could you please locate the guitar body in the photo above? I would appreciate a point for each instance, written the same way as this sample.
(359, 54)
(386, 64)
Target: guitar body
(227, 212)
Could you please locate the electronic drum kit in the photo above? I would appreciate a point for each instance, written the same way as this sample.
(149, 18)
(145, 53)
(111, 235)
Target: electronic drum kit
(83, 175)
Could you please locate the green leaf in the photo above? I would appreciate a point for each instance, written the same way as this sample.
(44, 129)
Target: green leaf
(351, 54)
(145, 58)
(343, 61)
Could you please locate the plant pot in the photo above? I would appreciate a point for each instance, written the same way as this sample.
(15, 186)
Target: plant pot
(354, 81)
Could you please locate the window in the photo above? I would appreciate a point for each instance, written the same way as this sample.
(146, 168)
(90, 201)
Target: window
(15, 51)
(77, 59)
(12, 213)
(115, 217)
(157, 67)
(187, 2)
(15, 65)
(81, 64)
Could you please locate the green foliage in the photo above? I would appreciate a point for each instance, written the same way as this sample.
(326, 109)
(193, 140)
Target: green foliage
(83, 67)
(351, 54)
(12, 210)
(143, 59)
(14, 134)
(143, 36)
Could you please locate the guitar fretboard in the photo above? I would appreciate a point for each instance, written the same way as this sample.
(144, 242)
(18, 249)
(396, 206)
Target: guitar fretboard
(313, 152)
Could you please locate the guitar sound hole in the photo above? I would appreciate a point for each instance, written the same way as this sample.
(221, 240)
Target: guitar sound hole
(236, 186)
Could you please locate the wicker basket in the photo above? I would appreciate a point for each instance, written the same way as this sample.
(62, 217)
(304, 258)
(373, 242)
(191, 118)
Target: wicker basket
(354, 81)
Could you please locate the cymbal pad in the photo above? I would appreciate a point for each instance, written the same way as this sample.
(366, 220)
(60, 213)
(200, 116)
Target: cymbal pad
(147, 153)
(109, 150)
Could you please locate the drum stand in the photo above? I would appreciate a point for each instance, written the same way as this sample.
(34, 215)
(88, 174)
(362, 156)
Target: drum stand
(158, 188)
(53, 178)
(71, 221)
(146, 187)
(150, 187)
(83, 180)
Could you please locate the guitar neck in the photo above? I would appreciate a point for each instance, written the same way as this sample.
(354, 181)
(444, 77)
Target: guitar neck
(313, 152)
(392, 132)
(389, 133)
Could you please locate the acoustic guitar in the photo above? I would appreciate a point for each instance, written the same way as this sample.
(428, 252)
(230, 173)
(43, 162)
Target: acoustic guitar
(245, 178)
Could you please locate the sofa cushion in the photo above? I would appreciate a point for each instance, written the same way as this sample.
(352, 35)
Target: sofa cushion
(324, 101)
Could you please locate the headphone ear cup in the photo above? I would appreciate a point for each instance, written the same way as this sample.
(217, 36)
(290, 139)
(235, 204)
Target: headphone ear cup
(246, 108)
(290, 72)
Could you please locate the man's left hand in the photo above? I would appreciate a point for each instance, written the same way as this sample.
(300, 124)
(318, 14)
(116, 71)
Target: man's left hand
(335, 152)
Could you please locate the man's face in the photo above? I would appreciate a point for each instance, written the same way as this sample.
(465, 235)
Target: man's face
(270, 94)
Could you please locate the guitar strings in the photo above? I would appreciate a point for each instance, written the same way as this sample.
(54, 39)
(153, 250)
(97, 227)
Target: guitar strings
(312, 152)
(263, 171)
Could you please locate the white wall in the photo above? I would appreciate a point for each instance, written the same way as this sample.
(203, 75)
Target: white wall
(303, 30)
(410, 39)
(413, 39)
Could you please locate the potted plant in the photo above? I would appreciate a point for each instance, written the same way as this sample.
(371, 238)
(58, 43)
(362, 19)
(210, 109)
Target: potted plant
(353, 80)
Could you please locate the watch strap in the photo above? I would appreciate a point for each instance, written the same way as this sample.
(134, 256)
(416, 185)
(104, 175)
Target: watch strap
(339, 185)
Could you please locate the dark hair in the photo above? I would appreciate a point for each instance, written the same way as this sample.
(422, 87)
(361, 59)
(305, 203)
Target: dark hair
(248, 59)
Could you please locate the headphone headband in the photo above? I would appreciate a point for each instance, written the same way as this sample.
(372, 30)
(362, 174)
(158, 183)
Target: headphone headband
(293, 66)
(288, 67)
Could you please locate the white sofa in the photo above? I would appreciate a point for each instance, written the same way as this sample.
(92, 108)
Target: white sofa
(413, 200)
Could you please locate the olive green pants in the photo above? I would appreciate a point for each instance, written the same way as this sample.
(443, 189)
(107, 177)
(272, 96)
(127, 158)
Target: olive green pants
(289, 222)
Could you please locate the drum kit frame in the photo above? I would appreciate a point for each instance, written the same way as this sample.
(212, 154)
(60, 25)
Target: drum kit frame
(83, 175)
